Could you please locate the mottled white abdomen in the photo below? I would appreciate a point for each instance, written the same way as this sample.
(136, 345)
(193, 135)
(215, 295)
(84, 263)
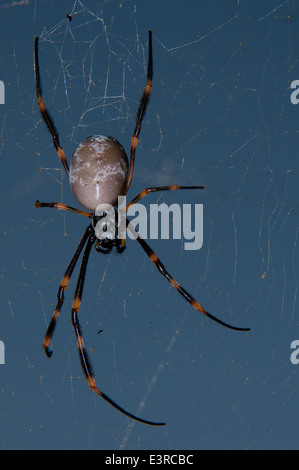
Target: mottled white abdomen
(98, 171)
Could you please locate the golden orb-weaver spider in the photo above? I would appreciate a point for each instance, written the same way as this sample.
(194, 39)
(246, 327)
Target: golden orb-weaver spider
(99, 173)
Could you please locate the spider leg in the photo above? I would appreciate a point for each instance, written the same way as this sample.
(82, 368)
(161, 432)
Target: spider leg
(146, 191)
(60, 295)
(86, 366)
(162, 270)
(63, 207)
(45, 114)
(141, 112)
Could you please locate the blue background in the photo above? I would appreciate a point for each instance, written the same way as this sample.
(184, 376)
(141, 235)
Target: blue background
(220, 115)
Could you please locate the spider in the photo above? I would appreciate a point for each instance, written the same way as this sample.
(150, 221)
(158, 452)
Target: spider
(99, 173)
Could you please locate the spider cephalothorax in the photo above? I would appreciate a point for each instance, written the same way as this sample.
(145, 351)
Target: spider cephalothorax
(106, 227)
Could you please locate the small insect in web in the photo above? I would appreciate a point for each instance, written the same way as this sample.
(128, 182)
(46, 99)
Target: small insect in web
(99, 173)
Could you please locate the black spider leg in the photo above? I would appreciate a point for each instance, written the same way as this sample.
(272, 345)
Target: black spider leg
(162, 270)
(44, 112)
(62, 286)
(86, 366)
(144, 100)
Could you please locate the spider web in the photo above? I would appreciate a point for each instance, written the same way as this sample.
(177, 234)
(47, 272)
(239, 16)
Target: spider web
(220, 115)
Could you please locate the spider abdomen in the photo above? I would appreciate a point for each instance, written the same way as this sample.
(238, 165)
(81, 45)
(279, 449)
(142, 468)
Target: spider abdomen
(98, 171)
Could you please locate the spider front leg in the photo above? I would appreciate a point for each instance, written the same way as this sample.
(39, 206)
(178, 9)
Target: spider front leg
(162, 270)
(141, 111)
(63, 285)
(86, 366)
(46, 116)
